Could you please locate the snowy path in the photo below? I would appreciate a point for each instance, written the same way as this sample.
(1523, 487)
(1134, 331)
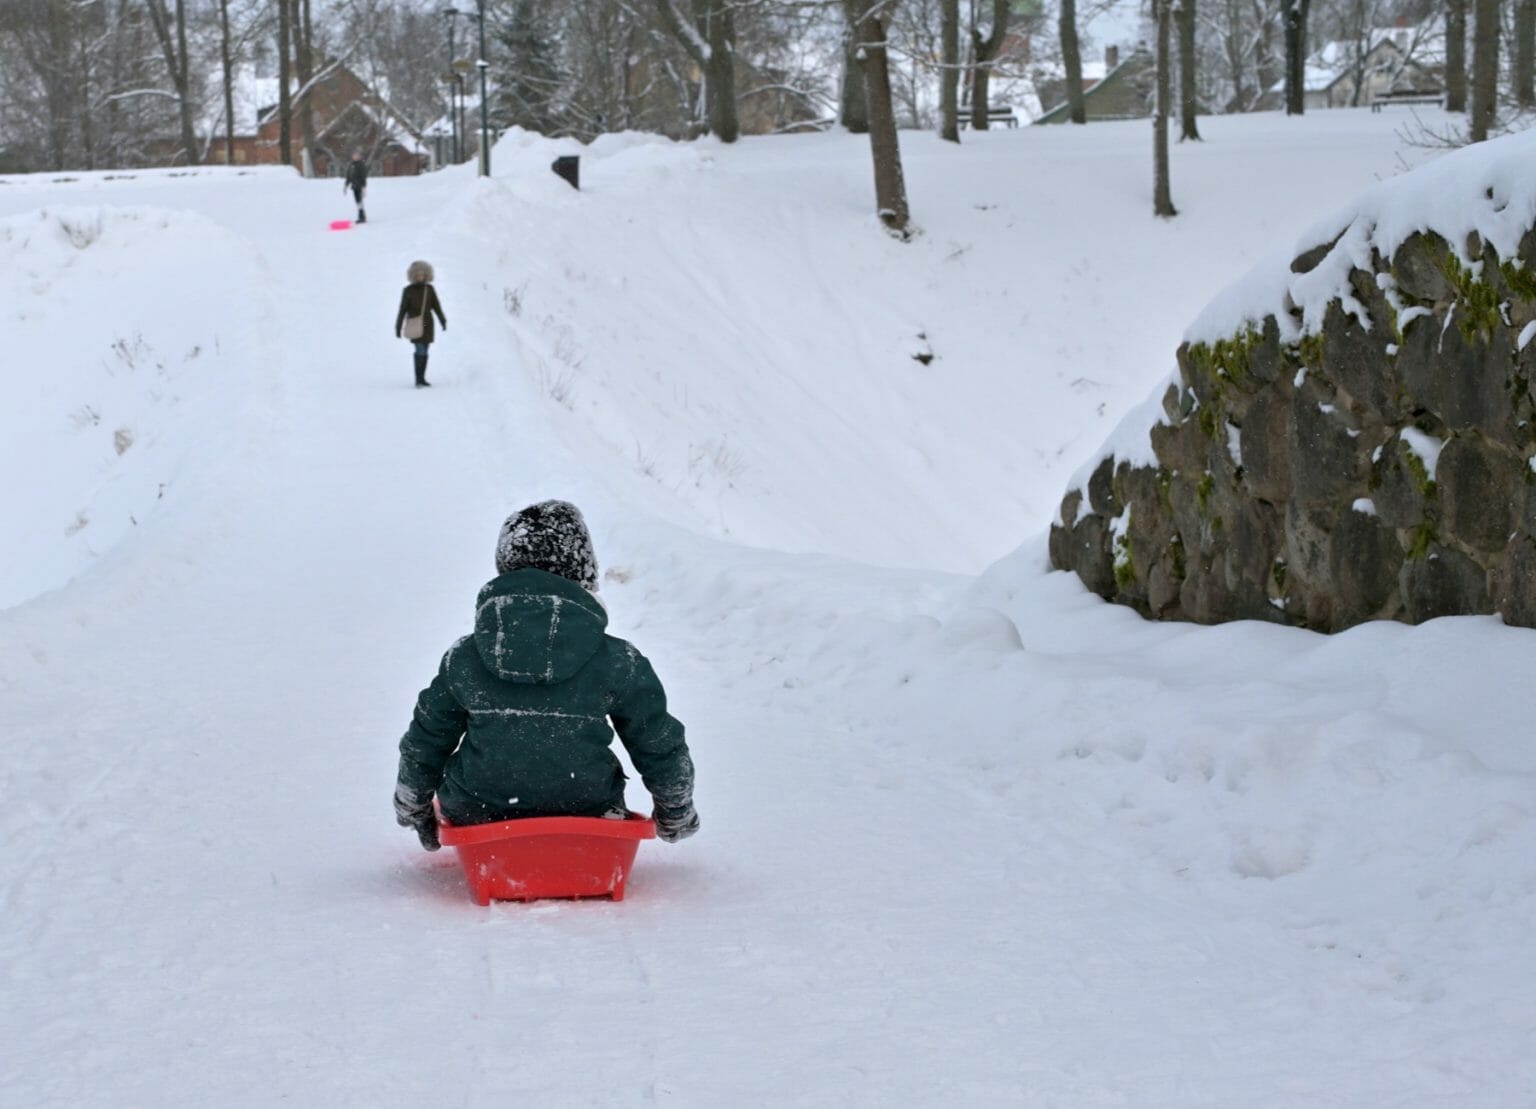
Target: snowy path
(966, 841)
(245, 733)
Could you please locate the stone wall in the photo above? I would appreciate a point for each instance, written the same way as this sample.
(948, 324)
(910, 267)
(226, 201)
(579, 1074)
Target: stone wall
(1366, 458)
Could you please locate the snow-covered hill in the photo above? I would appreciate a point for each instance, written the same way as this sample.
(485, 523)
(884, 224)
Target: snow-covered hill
(970, 836)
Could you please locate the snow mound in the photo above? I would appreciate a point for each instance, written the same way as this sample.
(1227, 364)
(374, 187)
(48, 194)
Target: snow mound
(132, 392)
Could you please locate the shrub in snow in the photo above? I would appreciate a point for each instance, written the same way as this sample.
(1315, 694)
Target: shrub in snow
(1351, 433)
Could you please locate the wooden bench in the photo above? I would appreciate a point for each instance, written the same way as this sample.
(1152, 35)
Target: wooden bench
(1003, 115)
(1386, 98)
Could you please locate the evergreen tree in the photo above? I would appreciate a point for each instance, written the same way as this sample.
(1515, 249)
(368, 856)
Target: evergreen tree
(528, 81)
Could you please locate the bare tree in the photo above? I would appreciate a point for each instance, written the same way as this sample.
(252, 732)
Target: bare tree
(1485, 68)
(40, 38)
(866, 20)
(949, 73)
(1189, 105)
(1268, 61)
(853, 110)
(984, 49)
(284, 82)
(709, 37)
(227, 66)
(1356, 24)
(1296, 56)
(395, 45)
(1455, 55)
(304, 38)
(172, 34)
(1229, 23)
(1523, 63)
(1240, 38)
(1072, 61)
(1162, 193)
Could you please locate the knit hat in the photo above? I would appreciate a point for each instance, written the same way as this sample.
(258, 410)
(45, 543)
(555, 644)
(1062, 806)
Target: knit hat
(550, 536)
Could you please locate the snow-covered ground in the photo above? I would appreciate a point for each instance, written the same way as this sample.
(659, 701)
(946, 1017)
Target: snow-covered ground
(970, 836)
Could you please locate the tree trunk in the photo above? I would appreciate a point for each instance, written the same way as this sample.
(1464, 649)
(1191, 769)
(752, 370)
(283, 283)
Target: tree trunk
(864, 17)
(284, 77)
(1296, 56)
(1162, 193)
(1524, 52)
(1188, 104)
(58, 92)
(1268, 67)
(174, 48)
(1358, 69)
(229, 84)
(183, 86)
(855, 98)
(87, 123)
(1456, 55)
(709, 38)
(949, 75)
(1485, 68)
(304, 60)
(1232, 47)
(723, 117)
(1072, 61)
(986, 51)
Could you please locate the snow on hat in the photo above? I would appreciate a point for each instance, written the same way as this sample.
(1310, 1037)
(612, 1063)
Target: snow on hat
(550, 536)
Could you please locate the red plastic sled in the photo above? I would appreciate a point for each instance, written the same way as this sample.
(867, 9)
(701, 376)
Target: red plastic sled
(341, 225)
(547, 856)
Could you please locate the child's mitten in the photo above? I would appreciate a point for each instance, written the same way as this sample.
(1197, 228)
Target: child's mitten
(673, 824)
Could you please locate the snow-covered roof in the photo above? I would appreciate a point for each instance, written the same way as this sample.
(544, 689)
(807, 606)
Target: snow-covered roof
(255, 97)
(250, 93)
(1421, 44)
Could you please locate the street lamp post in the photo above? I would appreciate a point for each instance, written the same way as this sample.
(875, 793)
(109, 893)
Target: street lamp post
(453, 84)
(459, 69)
(482, 65)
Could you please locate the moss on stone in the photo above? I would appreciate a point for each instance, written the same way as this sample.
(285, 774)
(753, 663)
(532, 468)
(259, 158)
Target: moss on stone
(1125, 563)
(1204, 489)
(1521, 281)
(1420, 474)
(1210, 421)
(1227, 359)
(1310, 349)
(1481, 308)
(1419, 540)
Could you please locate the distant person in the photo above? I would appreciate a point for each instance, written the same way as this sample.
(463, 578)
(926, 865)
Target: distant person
(418, 301)
(357, 181)
(516, 722)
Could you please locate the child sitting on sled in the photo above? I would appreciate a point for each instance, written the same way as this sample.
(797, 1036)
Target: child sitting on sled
(516, 723)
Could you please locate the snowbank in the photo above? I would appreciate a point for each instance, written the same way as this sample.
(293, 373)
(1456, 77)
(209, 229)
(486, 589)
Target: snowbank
(137, 332)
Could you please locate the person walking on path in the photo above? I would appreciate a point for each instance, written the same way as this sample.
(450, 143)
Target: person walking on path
(418, 303)
(520, 719)
(357, 181)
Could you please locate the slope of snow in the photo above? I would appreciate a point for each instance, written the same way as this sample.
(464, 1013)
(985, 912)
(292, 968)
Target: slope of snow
(969, 835)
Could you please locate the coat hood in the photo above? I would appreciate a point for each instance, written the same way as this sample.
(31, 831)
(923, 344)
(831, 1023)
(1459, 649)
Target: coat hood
(537, 628)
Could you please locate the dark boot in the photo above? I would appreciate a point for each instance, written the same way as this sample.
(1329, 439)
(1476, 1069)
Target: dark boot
(421, 372)
(362, 216)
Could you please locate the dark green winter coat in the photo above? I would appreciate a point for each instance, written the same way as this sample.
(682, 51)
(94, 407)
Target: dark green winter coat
(516, 723)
